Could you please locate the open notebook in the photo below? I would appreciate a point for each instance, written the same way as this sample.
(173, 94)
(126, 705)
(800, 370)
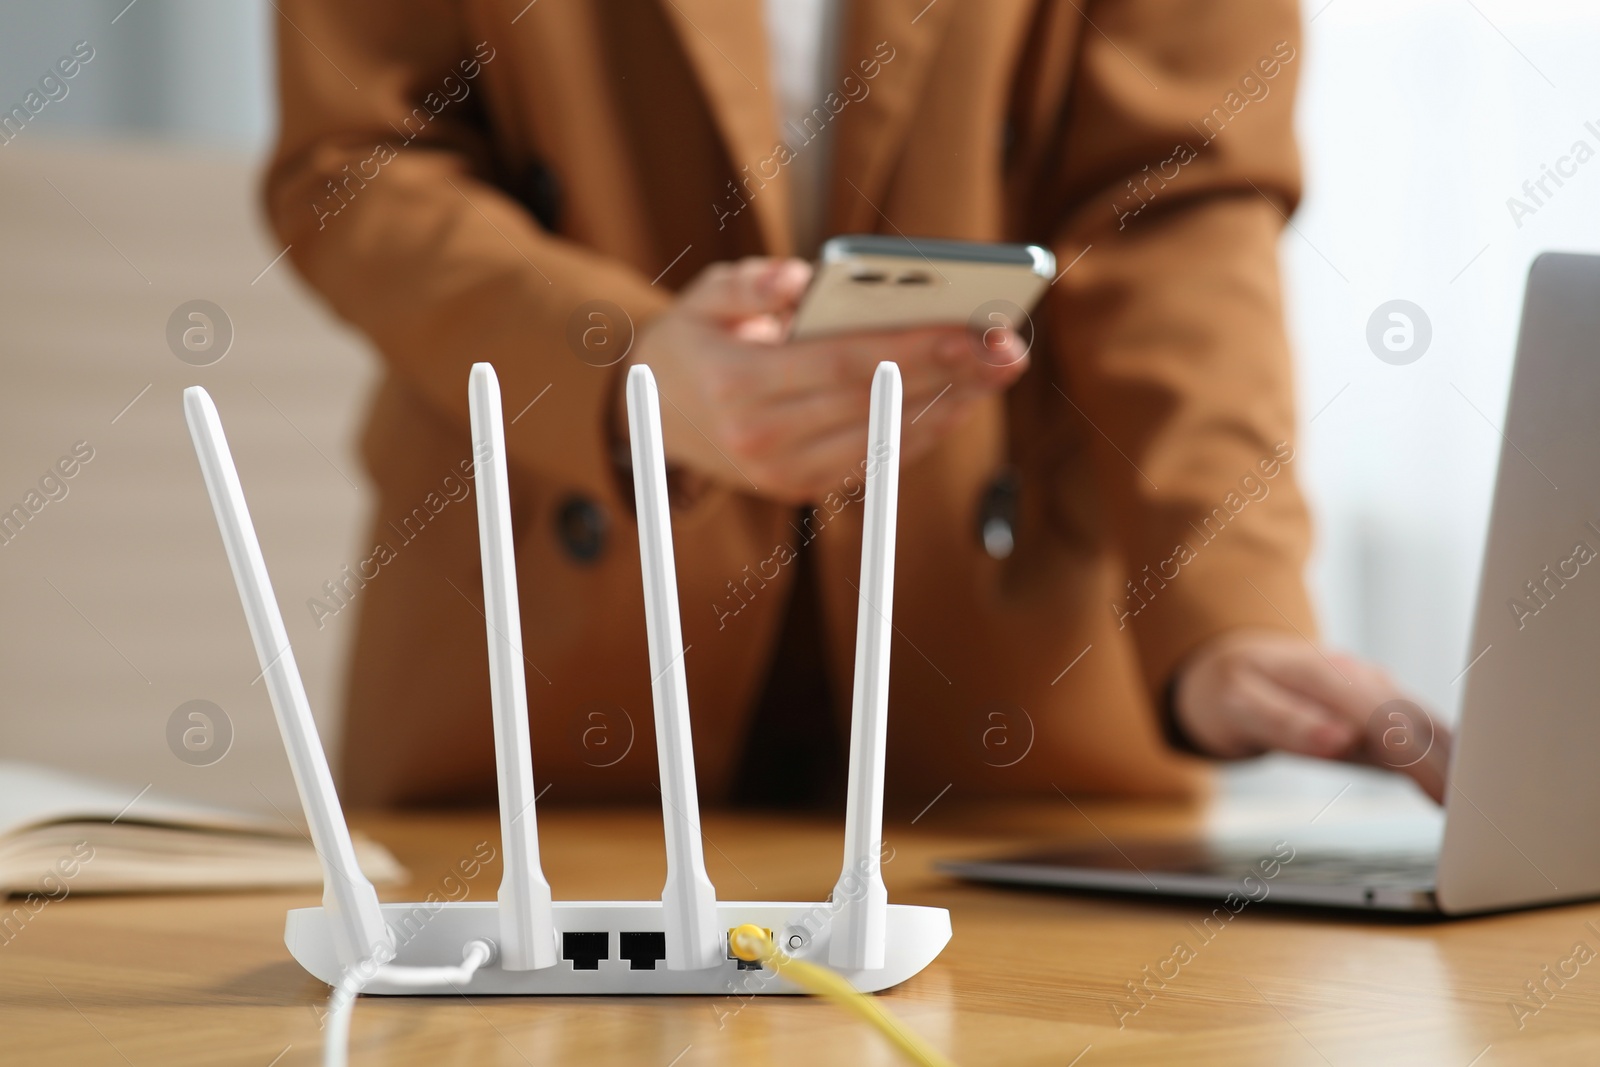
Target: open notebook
(63, 830)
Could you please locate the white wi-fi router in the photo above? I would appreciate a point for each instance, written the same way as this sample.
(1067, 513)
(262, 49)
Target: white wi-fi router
(524, 942)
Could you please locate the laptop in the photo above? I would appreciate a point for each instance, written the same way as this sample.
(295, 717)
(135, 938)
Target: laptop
(1523, 798)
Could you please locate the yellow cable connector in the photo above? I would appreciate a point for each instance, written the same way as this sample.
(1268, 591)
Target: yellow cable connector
(750, 942)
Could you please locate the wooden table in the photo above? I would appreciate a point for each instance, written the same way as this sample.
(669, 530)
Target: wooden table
(1030, 977)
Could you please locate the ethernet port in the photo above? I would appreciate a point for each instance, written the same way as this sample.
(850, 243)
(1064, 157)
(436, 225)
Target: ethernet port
(585, 949)
(642, 949)
(746, 965)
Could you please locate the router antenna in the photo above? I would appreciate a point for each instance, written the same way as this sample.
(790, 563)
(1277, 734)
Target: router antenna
(859, 897)
(348, 899)
(527, 928)
(688, 901)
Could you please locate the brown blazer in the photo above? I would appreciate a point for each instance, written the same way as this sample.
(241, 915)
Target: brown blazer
(460, 178)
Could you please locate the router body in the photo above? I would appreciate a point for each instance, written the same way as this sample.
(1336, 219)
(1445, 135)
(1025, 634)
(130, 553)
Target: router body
(527, 942)
(915, 936)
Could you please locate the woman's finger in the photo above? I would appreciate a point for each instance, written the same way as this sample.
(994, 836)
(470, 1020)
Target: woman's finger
(1274, 717)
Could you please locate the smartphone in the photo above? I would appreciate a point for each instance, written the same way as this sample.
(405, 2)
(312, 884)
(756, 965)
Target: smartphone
(874, 282)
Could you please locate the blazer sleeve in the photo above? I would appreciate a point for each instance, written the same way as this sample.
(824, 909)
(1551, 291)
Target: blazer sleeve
(381, 187)
(1174, 175)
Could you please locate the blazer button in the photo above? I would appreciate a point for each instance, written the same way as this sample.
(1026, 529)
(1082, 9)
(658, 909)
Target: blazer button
(539, 190)
(997, 516)
(582, 526)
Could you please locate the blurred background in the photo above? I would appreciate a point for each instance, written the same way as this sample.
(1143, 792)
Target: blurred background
(132, 193)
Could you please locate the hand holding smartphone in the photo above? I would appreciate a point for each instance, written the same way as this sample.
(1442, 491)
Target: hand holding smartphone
(767, 368)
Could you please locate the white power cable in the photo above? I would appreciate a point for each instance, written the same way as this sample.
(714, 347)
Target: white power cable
(336, 1042)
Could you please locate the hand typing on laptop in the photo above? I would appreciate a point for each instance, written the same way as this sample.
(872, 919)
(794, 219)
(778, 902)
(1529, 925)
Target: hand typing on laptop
(1252, 691)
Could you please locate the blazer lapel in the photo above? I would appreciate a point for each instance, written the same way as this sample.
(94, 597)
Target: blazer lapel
(871, 130)
(726, 44)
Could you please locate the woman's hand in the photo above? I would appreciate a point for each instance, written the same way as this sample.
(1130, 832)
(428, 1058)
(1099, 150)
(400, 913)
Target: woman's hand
(1253, 691)
(788, 420)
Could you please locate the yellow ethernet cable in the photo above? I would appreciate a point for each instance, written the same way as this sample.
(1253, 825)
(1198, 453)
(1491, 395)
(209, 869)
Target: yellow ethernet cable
(750, 943)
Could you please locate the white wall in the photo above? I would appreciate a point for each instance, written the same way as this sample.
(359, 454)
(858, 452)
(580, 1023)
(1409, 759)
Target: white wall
(195, 71)
(135, 193)
(1418, 121)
